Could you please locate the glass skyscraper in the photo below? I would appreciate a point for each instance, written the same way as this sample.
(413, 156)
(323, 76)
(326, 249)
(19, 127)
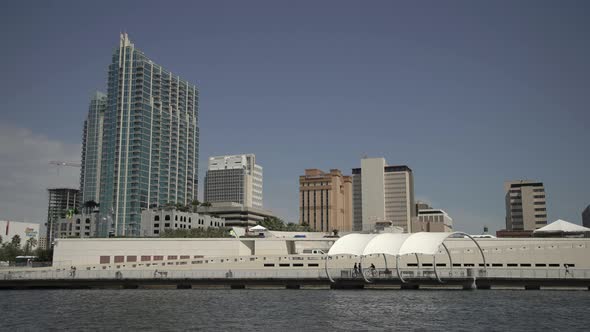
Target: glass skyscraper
(92, 149)
(150, 144)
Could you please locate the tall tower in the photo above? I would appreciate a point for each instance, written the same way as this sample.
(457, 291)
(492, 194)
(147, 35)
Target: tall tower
(92, 149)
(526, 205)
(382, 194)
(235, 178)
(150, 140)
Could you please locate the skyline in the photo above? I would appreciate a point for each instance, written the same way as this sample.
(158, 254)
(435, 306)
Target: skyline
(479, 114)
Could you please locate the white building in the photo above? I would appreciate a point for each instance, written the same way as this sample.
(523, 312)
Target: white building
(78, 225)
(382, 195)
(235, 178)
(432, 220)
(155, 222)
(25, 230)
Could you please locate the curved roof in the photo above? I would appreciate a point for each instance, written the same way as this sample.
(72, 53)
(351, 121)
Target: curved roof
(387, 243)
(351, 244)
(395, 244)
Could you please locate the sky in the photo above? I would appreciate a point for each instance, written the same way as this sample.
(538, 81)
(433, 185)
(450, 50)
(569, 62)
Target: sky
(468, 94)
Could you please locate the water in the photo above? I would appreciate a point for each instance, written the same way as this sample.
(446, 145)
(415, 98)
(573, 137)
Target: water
(279, 310)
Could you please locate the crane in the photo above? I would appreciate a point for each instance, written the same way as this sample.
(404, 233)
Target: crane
(59, 164)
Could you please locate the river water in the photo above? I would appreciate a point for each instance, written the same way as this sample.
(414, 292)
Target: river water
(280, 310)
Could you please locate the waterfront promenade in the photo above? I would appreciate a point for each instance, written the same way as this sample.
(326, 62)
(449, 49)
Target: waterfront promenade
(476, 278)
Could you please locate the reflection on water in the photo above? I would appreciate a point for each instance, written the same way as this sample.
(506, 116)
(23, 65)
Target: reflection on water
(497, 310)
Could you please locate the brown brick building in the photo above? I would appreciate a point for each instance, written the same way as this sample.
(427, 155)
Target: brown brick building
(325, 200)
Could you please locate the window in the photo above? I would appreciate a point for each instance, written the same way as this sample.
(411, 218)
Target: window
(172, 257)
(175, 218)
(540, 216)
(167, 217)
(77, 221)
(131, 258)
(157, 218)
(88, 220)
(156, 231)
(167, 224)
(539, 203)
(525, 265)
(313, 264)
(539, 196)
(146, 258)
(156, 225)
(540, 209)
(119, 259)
(185, 257)
(105, 259)
(269, 265)
(540, 265)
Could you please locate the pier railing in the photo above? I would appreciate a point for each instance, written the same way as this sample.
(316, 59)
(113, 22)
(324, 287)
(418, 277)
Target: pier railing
(296, 274)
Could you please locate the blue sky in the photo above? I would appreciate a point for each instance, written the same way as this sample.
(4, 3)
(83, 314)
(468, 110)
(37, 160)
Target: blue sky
(468, 94)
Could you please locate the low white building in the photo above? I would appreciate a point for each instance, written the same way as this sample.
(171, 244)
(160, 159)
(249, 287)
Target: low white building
(432, 220)
(155, 222)
(26, 230)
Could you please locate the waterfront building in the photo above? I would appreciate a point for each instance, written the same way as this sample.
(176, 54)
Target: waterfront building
(382, 195)
(82, 225)
(526, 207)
(586, 217)
(236, 214)
(234, 178)
(62, 202)
(155, 222)
(92, 149)
(25, 230)
(325, 200)
(432, 220)
(150, 140)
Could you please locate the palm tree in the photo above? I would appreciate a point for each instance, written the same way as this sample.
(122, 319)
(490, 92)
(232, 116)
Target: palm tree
(29, 245)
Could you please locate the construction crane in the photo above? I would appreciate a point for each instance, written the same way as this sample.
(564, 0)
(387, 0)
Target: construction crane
(59, 164)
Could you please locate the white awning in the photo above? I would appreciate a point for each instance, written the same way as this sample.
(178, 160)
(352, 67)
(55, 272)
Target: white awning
(387, 243)
(351, 244)
(258, 228)
(562, 226)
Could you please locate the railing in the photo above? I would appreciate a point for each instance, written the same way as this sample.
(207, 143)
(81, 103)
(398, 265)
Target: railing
(293, 273)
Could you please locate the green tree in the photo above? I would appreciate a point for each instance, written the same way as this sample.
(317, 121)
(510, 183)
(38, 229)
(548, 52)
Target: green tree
(15, 241)
(29, 245)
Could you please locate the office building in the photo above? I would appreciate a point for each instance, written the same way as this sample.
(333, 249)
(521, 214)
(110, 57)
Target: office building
(432, 220)
(236, 179)
(526, 207)
(156, 222)
(78, 225)
(62, 202)
(92, 149)
(325, 200)
(383, 196)
(236, 214)
(586, 217)
(150, 142)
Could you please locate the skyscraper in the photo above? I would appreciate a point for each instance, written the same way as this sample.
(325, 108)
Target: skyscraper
(61, 201)
(92, 149)
(234, 178)
(526, 206)
(586, 217)
(150, 139)
(382, 194)
(325, 200)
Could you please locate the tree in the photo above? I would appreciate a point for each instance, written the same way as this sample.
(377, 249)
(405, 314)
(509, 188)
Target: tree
(0, 240)
(29, 245)
(206, 204)
(89, 206)
(15, 241)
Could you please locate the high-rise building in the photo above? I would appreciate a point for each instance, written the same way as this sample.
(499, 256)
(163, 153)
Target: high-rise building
(382, 195)
(586, 217)
(236, 179)
(62, 201)
(150, 140)
(432, 220)
(526, 207)
(325, 200)
(92, 149)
